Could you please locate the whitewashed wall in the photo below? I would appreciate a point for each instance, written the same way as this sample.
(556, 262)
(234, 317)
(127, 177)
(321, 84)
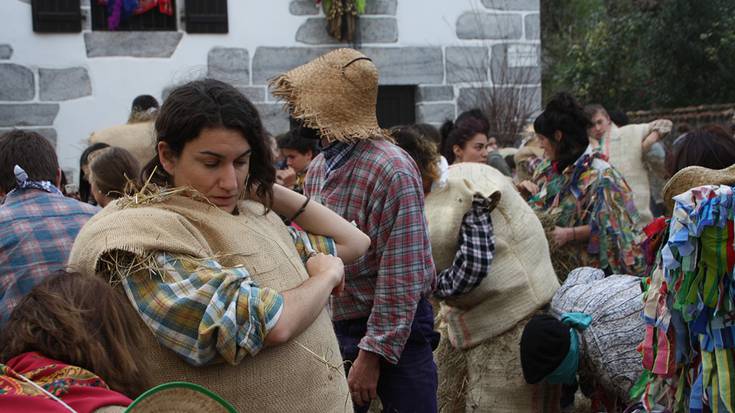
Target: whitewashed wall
(95, 92)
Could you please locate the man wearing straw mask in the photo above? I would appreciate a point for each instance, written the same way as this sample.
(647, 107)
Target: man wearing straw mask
(383, 320)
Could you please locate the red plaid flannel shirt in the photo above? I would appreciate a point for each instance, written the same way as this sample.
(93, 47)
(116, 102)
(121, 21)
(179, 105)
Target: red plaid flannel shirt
(379, 188)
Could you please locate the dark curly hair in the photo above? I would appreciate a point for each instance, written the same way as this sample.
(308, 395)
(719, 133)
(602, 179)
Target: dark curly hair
(565, 115)
(210, 103)
(421, 149)
(459, 133)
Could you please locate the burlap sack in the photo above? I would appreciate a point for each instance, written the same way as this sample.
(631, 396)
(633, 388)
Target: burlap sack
(304, 375)
(137, 138)
(625, 153)
(487, 378)
(521, 279)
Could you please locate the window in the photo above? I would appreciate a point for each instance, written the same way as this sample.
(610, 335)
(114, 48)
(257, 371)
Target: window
(64, 16)
(56, 16)
(396, 105)
(153, 19)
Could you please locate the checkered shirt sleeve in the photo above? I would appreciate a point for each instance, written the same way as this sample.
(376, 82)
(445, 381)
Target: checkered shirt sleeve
(402, 246)
(307, 243)
(475, 253)
(203, 312)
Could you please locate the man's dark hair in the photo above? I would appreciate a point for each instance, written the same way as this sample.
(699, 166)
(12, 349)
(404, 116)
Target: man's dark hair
(30, 151)
(293, 140)
(143, 102)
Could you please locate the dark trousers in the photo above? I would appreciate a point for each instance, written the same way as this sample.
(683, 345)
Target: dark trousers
(410, 385)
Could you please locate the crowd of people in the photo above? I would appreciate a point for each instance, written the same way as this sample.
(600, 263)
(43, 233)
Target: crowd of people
(341, 265)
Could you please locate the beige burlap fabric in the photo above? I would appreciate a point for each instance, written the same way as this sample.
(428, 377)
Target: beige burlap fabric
(625, 153)
(137, 138)
(336, 93)
(304, 375)
(521, 279)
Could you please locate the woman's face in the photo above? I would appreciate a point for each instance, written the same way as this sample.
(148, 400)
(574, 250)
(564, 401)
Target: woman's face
(475, 150)
(492, 144)
(546, 145)
(215, 163)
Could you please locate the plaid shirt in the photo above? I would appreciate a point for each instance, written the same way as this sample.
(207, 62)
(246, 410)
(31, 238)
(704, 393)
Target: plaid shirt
(378, 187)
(475, 254)
(206, 313)
(37, 230)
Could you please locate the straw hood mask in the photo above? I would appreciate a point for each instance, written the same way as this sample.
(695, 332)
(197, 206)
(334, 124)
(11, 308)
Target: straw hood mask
(335, 94)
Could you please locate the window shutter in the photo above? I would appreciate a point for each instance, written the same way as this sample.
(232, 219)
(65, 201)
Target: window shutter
(56, 16)
(206, 16)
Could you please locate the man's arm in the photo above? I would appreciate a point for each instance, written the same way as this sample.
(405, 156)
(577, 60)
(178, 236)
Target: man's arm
(658, 129)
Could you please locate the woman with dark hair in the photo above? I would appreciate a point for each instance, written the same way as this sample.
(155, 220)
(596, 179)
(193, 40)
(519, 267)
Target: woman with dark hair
(423, 151)
(464, 142)
(711, 147)
(77, 338)
(113, 173)
(591, 203)
(212, 271)
(85, 191)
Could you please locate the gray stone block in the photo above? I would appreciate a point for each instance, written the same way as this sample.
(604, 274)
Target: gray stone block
(229, 64)
(48, 133)
(522, 66)
(467, 64)
(512, 5)
(33, 114)
(131, 44)
(16, 82)
(478, 97)
(490, 26)
(407, 65)
(64, 84)
(426, 93)
(303, 7)
(253, 93)
(85, 3)
(6, 51)
(435, 112)
(372, 30)
(269, 62)
(533, 31)
(381, 7)
(275, 118)
(397, 65)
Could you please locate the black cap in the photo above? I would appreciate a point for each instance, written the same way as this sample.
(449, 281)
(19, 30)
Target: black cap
(544, 345)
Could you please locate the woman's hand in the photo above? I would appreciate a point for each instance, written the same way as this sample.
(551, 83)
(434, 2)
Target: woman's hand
(561, 236)
(527, 189)
(330, 266)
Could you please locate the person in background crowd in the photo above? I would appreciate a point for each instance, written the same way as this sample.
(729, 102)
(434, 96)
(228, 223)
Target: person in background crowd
(474, 280)
(75, 337)
(113, 173)
(137, 136)
(225, 292)
(711, 147)
(592, 333)
(85, 190)
(38, 224)
(616, 144)
(143, 109)
(384, 320)
(429, 132)
(464, 142)
(592, 204)
(475, 119)
(299, 152)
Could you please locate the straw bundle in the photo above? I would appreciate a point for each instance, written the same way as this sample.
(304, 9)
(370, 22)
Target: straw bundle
(564, 259)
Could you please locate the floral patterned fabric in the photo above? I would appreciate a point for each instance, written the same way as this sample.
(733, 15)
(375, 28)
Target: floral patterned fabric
(592, 192)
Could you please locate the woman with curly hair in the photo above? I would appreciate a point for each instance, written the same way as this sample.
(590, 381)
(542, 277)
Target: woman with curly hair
(591, 202)
(75, 338)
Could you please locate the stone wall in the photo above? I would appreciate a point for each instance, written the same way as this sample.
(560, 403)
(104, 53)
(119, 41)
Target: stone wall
(29, 96)
(502, 50)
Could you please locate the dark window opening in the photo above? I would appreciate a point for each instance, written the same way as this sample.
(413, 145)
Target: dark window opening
(206, 16)
(56, 16)
(396, 105)
(151, 20)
